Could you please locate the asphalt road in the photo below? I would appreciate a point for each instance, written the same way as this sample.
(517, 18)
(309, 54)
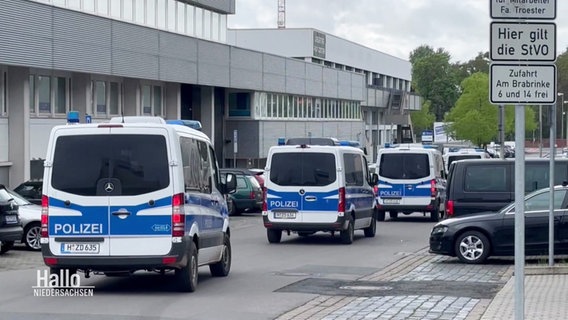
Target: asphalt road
(255, 288)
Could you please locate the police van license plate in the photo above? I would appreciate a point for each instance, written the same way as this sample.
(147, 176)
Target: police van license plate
(85, 248)
(391, 201)
(284, 215)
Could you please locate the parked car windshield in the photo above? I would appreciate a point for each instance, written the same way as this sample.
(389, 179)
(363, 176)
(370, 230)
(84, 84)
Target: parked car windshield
(303, 169)
(83, 163)
(404, 166)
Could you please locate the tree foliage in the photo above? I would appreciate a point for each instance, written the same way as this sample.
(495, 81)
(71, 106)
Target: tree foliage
(480, 63)
(422, 119)
(434, 78)
(474, 118)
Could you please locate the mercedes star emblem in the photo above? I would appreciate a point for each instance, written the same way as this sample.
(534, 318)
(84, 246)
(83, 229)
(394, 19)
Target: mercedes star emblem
(109, 187)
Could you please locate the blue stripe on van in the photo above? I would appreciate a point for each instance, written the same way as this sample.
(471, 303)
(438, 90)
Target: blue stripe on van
(94, 220)
(397, 190)
(323, 201)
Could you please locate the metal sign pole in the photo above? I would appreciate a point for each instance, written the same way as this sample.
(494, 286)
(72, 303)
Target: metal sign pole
(519, 212)
(551, 184)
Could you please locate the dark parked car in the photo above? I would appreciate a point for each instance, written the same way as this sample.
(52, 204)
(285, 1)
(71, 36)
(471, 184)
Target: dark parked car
(478, 185)
(10, 225)
(31, 190)
(473, 238)
(248, 195)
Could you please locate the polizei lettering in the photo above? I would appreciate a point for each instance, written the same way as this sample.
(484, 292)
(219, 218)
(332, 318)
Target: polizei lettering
(389, 193)
(283, 204)
(78, 228)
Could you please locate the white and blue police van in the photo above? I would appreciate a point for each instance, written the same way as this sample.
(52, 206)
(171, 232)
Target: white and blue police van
(312, 188)
(411, 179)
(134, 194)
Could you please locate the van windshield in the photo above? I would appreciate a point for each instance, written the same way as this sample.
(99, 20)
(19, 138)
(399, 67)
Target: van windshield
(404, 166)
(303, 169)
(134, 164)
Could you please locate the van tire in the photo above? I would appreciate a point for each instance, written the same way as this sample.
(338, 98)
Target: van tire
(222, 268)
(186, 277)
(371, 230)
(6, 246)
(273, 235)
(393, 215)
(348, 234)
(381, 215)
(435, 214)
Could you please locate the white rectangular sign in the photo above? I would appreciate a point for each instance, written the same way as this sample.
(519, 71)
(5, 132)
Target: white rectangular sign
(527, 41)
(523, 9)
(523, 84)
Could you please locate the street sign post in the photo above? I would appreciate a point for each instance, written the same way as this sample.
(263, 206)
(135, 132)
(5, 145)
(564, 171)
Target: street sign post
(515, 9)
(523, 84)
(523, 41)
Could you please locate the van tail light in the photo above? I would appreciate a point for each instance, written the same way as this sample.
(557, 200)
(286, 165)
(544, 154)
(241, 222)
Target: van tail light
(252, 195)
(44, 216)
(433, 187)
(178, 215)
(450, 208)
(264, 204)
(341, 204)
(376, 190)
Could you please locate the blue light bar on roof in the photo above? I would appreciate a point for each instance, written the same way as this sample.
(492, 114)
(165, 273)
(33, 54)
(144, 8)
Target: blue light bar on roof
(73, 117)
(194, 124)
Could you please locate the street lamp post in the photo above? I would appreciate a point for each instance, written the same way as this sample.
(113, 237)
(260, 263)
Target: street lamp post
(561, 95)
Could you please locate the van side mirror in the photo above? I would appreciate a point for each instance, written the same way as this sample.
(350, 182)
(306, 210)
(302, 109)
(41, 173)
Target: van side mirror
(229, 183)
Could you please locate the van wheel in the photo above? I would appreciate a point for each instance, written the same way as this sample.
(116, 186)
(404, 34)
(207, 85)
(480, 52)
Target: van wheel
(381, 215)
(186, 277)
(222, 268)
(274, 236)
(435, 214)
(6, 246)
(472, 247)
(393, 214)
(348, 234)
(371, 230)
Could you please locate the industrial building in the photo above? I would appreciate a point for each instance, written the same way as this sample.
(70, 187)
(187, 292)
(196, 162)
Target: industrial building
(178, 60)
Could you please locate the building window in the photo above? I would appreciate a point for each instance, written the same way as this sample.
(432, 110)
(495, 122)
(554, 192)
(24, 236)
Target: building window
(214, 26)
(115, 9)
(207, 24)
(127, 10)
(89, 5)
(239, 104)
(49, 95)
(161, 10)
(198, 22)
(106, 98)
(139, 11)
(3, 93)
(151, 13)
(152, 100)
(172, 15)
(102, 7)
(190, 19)
(181, 17)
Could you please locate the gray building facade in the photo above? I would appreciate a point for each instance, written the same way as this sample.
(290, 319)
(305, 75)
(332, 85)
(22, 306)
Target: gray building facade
(163, 58)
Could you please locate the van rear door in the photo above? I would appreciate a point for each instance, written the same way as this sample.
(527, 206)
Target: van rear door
(111, 192)
(404, 179)
(303, 182)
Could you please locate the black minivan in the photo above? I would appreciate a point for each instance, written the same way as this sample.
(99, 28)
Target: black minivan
(477, 185)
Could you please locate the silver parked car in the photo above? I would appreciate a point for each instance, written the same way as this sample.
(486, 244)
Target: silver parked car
(30, 217)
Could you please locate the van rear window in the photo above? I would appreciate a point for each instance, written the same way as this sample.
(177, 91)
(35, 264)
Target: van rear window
(404, 166)
(134, 164)
(303, 169)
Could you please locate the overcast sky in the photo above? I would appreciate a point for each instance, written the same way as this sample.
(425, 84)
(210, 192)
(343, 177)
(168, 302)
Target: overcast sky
(395, 27)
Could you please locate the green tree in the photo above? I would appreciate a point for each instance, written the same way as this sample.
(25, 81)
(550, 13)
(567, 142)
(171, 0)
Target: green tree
(474, 118)
(422, 119)
(434, 78)
(480, 63)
